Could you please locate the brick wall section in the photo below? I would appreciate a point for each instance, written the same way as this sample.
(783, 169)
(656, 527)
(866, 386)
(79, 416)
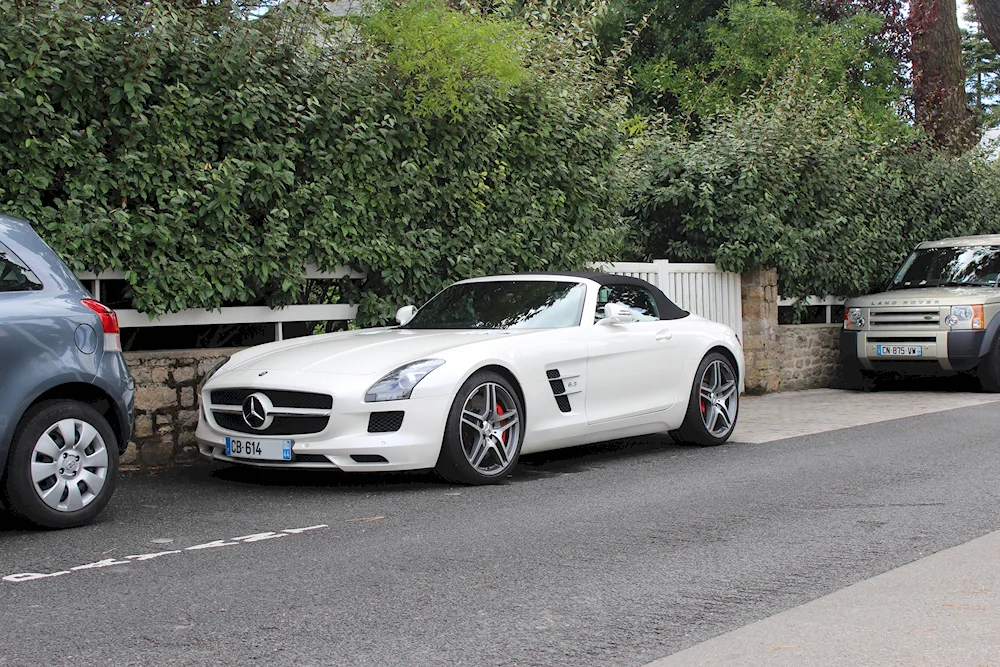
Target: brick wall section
(166, 409)
(761, 346)
(810, 356)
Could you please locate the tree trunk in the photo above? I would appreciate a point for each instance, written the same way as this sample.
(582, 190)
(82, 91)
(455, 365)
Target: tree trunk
(938, 76)
(988, 12)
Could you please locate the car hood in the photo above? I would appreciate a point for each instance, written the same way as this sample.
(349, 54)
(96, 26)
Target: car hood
(359, 352)
(930, 296)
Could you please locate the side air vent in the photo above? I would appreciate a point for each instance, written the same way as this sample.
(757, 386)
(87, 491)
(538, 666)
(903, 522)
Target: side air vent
(558, 390)
(385, 422)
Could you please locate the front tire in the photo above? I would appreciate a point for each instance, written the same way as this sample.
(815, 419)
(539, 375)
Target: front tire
(989, 369)
(714, 403)
(482, 438)
(63, 465)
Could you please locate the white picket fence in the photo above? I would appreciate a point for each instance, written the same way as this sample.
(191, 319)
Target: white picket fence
(234, 314)
(703, 289)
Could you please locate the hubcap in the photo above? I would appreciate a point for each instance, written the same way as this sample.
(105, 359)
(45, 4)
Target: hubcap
(490, 428)
(719, 397)
(69, 465)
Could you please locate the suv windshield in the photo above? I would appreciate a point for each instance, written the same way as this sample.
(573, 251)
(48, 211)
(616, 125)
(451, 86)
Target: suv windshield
(974, 266)
(503, 304)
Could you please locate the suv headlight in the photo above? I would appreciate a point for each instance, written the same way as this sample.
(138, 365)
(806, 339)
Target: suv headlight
(966, 317)
(398, 384)
(854, 318)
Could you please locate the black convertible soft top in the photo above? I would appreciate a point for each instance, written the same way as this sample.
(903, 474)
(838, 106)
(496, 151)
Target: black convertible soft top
(668, 309)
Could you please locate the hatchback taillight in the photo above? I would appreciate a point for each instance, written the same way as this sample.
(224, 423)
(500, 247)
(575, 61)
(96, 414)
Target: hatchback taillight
(109, 322)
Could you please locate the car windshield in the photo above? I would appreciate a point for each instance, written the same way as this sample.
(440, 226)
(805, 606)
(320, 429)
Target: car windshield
(503, 304)
(974, 266)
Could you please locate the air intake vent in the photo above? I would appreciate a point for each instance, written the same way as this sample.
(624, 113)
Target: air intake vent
(310, 458)
(369, 458)
(558, 390)
(385, 422)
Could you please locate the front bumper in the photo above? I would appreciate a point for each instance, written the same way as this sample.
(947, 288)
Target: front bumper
(942, 350)
(415, 446)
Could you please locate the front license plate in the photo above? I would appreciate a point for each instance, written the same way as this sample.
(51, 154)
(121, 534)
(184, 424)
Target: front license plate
(268, 450)
(900, 351)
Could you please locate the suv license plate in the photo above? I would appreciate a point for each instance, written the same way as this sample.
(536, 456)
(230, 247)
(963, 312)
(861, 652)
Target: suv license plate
(267, 450)
(899, 351)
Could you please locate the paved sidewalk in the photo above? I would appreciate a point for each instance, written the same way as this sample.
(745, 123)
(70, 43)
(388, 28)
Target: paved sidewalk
(940, 610)
(795, 413)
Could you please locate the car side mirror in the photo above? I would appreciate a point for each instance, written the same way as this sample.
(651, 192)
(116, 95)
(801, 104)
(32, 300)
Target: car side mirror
(405, 314)
(617, 313)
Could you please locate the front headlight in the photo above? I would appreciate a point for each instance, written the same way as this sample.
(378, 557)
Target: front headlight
(398, 384)
(966, 317)
(854, 318)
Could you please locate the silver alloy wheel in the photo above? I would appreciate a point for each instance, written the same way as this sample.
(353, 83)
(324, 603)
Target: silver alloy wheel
(69, 465)
(490, 428)
(719, 398)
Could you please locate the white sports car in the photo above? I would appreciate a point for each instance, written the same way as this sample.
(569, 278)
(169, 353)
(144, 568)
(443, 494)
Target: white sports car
(488, 369)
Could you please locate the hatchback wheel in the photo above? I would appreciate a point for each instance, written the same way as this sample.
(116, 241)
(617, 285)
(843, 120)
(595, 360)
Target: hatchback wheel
(63, 465)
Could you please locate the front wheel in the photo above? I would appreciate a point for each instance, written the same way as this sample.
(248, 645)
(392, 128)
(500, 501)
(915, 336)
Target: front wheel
(714, 403)
(482, 439)
(989, 369)
(63, 465)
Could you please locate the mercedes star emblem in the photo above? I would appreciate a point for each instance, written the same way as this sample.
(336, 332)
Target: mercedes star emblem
(257, 411)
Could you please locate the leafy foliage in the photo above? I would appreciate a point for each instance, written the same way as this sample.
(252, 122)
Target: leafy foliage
(213, 156)
(757, 43)
(801, 183)
(447, 55)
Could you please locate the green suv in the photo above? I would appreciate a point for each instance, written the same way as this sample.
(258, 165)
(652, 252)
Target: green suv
(939, 315)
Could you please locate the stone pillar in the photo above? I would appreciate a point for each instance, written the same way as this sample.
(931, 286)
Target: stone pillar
(761, 344)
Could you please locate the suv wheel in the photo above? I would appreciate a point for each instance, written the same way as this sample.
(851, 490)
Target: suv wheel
(989, 369)
(63, 465)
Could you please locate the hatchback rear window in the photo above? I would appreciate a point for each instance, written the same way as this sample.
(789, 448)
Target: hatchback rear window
(15, 276)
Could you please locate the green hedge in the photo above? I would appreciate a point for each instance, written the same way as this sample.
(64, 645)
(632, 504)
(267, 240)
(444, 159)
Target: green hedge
(211, 157)
(804, 186)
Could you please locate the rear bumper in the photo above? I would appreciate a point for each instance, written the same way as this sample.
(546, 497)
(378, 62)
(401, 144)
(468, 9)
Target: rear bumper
(942, 350)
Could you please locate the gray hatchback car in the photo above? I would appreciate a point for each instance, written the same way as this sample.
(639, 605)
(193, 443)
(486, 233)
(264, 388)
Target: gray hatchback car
(66, 396)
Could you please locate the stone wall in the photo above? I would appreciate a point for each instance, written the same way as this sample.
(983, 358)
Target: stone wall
(786, 357)
(810, 356)
(761, 346)
(166, 404)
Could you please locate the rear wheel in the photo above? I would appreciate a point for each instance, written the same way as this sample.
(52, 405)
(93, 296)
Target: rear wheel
(63, 465)
(714, 403)
(482, 438)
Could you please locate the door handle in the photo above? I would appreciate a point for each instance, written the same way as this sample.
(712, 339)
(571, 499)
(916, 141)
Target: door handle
(664, 334)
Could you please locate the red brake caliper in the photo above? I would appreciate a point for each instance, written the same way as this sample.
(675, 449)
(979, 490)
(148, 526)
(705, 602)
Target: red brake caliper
(500, 413)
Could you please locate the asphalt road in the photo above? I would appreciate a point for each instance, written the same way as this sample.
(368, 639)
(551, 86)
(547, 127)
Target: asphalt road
(608, 555)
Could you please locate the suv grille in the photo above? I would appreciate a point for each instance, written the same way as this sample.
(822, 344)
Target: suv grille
(896, 317)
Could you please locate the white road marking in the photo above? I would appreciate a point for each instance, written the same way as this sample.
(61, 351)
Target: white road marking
(154, 555)
(111, 562)
(214, 544)
(261, 536)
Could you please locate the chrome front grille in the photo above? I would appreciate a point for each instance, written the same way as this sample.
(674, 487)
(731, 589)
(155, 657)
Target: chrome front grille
(288, 412)
(924, 318)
